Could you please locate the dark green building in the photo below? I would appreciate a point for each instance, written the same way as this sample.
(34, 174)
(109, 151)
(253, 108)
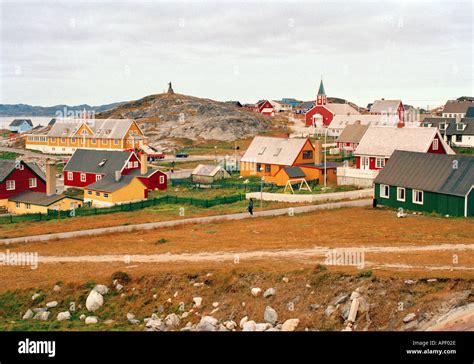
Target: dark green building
(427, 182)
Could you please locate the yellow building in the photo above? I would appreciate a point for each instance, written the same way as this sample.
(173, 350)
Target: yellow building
(34, 202)
(66, 135)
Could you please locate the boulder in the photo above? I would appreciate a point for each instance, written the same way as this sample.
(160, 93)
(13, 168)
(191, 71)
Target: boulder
(82, 317)
(215, 304)
(285, 279)
(35, 296)
(314, 306)
(130, 316)
(52, 304)
(172, 320)
(155, 324)
(255, 291)
(290, 325)
(269, 292)
(243, 321)
(329, 310)
(207, 323)
(249, 326)
(134, 321)
(118, 287)
(90, 320)
(63, 316)
(102, 289)
(94, 301)
(230, 325)
(28, 314)
(262, 327)
(341, 299)
(42, 315)
(270, 315)
(409, 317)
(197, 301)
(56, 288)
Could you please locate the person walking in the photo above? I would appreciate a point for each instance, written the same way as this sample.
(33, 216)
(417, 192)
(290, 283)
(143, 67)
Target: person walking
(250, 207)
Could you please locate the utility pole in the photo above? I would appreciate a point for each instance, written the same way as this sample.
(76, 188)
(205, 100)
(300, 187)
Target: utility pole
(325, 162)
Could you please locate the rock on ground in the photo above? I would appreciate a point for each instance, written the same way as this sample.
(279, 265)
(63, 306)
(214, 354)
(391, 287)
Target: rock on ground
(269, 292)
(62, 316)
(290, 325)
(90, 320)
(270, 315)
(94, 301)
(102, 289)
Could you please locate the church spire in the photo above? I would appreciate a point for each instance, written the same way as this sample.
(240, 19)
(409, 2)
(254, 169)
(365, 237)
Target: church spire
(321, 98)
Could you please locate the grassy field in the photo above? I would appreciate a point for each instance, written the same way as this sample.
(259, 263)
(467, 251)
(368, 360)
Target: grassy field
(459, 150)
(9, 155)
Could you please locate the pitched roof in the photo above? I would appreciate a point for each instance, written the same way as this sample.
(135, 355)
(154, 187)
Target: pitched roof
(305, 105)
(207, 170)
(18, 122)
(457, 107)
(470, 112)
(39, 198)
(352, 133)
(452, 125)
(429, 172)
(271, 150)
(101, 128)
(97, 161)
(341, 121)
(109, 184)
(385, 106)
(321, 90)
(341, 109)
(383, 141)
(294, 172)
(8, 166)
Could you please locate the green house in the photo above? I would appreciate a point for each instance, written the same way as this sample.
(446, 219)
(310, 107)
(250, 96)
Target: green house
(427, 182)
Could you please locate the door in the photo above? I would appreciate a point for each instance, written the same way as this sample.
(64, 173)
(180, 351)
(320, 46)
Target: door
(364, 163)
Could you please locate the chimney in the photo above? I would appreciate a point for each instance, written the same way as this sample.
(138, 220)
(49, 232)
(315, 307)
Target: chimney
(50, 177)
(400, 124)
(118, 176)
(318, 152)
(143, 164)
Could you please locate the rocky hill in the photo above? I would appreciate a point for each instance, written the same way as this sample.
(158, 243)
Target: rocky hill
(29, 110)
(166, 116)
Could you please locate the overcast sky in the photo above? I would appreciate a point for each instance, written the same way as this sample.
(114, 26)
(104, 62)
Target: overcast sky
(101, 52)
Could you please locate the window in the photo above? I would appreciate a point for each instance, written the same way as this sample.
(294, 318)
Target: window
(97, 193)
(89, 192)
(70, 176)
(400, 194)
(129, 165)
(116, 141)
(442, 126)
(259, 167)
(10, 185)
(135, 164)
(17, 205)
(268, 168)
(32, 183)
(27, 206)
(262, 151)
(73, 140)
(379, 162)
(458, 138)
(106, 195)
(460, 126)
(162, 179)
(84, 132)
(83, 177)
(93, 140)
(307, 154)
(104, 141)
(435, 144)
(53, 140)
(63, 140)
(418, 197)
(384, 191)
(98, 177)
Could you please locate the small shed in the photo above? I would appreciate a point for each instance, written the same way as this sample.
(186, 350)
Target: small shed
(206, 173)
(20, 125)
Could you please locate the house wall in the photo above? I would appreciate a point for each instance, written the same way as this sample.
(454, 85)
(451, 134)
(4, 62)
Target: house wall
(325, 113)
(440, 149)
(308, 146)
(153, 182)
(21, 178)
(134, 191)
(432, 202)
(64, 204)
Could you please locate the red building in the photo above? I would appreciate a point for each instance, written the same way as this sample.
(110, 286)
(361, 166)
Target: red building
(18, 176)
(322, 113)
(264, 107)
(89, 166)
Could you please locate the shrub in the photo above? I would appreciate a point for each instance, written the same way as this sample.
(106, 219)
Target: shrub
(122, 277)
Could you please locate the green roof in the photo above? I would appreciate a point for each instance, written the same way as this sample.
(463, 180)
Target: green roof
(321, 89)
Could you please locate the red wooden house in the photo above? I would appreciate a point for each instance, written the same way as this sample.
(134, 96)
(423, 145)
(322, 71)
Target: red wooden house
(89, 166)
(18, 176)
(322, 113)
(264, 107)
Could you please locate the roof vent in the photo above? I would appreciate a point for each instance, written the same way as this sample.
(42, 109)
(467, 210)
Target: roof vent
(101, 164)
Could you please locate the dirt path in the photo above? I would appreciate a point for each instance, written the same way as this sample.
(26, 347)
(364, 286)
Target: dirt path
(259, 254)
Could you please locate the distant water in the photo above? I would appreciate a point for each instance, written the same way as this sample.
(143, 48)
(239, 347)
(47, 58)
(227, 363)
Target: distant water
(36, 120)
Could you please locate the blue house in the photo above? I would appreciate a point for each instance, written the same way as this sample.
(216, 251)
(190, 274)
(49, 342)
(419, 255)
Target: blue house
(20, 125)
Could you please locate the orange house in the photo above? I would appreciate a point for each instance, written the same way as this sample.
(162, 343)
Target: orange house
(280, 160)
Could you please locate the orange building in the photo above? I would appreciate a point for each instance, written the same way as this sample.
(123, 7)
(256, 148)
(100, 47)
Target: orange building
(280, 160)
(67, 135)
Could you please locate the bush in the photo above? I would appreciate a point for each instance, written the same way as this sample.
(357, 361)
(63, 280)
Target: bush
(161, 241)
(365, 274)
(122, 277)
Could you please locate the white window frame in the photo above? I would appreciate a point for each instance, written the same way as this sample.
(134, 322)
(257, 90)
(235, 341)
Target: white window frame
(135, 164)
(414, 193)
(11, 185)
(32, 183)
(379, 163)
(435, 144)
(399, 189)
(83, 177)
(162, 179)
(28, 206)
(98, 177)
(70, 176)
(382, 191)
(106, 195)
(17, 205)
(129, 165)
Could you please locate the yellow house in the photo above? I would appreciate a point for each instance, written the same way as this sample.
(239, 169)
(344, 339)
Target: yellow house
(34, 202)
(111, 191)
(66, 135)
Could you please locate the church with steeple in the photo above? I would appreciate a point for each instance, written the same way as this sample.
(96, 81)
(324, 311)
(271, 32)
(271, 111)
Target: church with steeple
(322, 113)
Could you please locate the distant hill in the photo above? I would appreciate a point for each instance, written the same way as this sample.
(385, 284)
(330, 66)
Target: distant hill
(29, 110)
(165, 116)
